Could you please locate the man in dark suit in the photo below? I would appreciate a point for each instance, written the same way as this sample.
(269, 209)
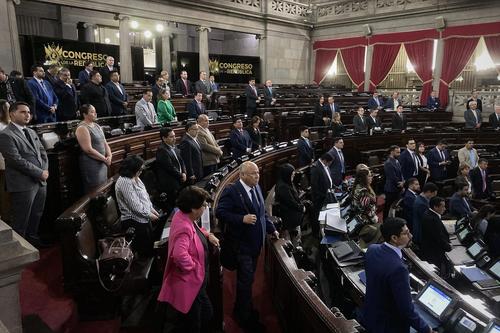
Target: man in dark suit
(45, 99)
(393, 102)
(170, 168)
(399, 121)
(252, 97)
(481, 182)
(196, 106)
(409, 196)
(156, 88)
(337, 168)
(305, 148)
(183, 85)
(26, 172)
(438, 158)
(494, 118)
(241, 210)
(94, 93)
(15, 90)
(240, 141)
(372, 121)
(433, 101)
(409, 161)
(420, 206)
(359, 121)
(84, 75)
(330, 108)
(203, 86)
(393, 178)
(106, 70)
(435, 239)
(269, 94)
(51, 74)
(472, 116)
(117, 95)
(388, 305)
(321, 185)
(375, 102)
(191, 153)
(460, 205)
(66, 93)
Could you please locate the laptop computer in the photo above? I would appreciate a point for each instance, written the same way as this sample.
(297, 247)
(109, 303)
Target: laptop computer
(493, 327)
(434, 304)
(346, 251)
(463, 233)
(476, 250)
(351, 226)
(492, 281)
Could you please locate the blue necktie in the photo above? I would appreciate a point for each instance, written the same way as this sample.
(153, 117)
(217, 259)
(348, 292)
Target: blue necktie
(255, 201)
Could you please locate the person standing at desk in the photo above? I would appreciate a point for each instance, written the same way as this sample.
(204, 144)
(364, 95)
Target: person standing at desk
(388, 306)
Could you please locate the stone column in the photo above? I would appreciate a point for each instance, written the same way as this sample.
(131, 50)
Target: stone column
(368, 67)
(438, 66)
(166, 62)
(203, 48)
(10, 50)
(86, 32)
(263, 56)
(125, 52)
(15, 254)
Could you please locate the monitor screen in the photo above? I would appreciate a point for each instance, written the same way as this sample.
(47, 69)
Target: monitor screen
(434, 300)
(475, 249)
(494, 329)
(352, 225)
(462, 234)
(495, 270)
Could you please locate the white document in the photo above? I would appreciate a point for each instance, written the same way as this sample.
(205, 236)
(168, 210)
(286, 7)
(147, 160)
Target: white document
(165, 233)
(205, 219)
(335, 222)
(333, 205)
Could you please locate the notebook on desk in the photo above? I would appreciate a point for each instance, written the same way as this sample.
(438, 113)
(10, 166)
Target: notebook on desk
(493, 280)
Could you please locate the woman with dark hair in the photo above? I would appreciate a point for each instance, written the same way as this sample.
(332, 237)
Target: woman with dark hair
(135, 206)
(364, 201)
(337, 126)
(463, 176)
(291, 210)
(319, 110)
(4, 121)
(96, 155)
(480, 220)
(423, 172)
(165, 108)
(254, 132)
(186, 273)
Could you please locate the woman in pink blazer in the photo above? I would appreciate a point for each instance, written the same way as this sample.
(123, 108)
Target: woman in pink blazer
(185, 278)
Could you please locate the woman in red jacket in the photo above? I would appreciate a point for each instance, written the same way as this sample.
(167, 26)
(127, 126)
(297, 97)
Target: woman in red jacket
(185, 279)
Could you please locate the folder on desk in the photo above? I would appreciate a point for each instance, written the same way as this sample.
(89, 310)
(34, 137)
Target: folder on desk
(362, 277)
(474, 274)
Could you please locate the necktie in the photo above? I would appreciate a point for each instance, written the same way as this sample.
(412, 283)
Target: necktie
(341, 156)
(28, 137)
(175, 155)
(44, 88)
(483, 173)
(467, 205)
(415, 160)
(441, 153)
(255, 201)
(186, 86)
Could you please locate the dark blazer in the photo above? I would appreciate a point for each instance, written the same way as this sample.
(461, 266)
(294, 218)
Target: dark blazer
(181, 88)
(470, 119)
(320, 184)
(399, 122)
(337, 129)
(51, 79)
(388, 306)
(420, 206)
(43, 101)
(194, 109)
(255, 137)
(337, 170)
(21, 91)
(408, 201)
(268, 96)
(233, 205)
(360, 124)
(319, 111)
(251, 101)
(458, 208)
(393, 175)
(116, 98)
(494, 121)
(192, 157)
(476, 180)
(240, 141)
(96, 95)
(373, 123)
(155, 89)
(433, 103)
(83, 77)
(291, 209)
(202, 87)
(68, 101)
(435, 239)
(105, 74)
(169, 171)
(389, 104)
(407, 163)
(327, 110)
(372, 103)
(438, 172)
(305, 152)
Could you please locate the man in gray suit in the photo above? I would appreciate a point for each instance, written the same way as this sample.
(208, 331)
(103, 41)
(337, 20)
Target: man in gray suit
(26, 172)
(145, 114)
(472, 116)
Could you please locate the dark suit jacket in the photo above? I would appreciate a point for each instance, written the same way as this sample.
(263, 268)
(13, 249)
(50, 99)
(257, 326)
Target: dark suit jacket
(24, 162)
(156, 90)
(470, 119)
(458, 208)
(83, 77)
(251, 101)
(105, 74)
(233, 205)
(433, 103)
(420, 206)
(43, 101)
(373, 123)
(96, 95)
(408, 201)
(435, 240)
(21, 92)
(360, 124)
(305, 152)
(194, 110)
(51, 79)
(168, 171)
(202, 87)
(68, 101)
(192, 157)
(476, 179)
(116, 98)
(268, 96)
(319, 184)
(389, 104)
(388, 306)
(393, 175)
(336, 167)
(181, 88)
(291, 209)
(255, 137)
(319, 111)
(239, 143)
(372, 103)
(398, 122)
(327, 110)
(438, 172)
(494, 121)
(407, 163)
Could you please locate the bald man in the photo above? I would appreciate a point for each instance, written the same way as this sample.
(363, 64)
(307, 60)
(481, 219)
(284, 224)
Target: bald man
(241, 210)
(210, 149)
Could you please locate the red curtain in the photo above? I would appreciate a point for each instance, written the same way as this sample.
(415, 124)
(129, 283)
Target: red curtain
(324, 59)
(382, 61)
(457, 52)
(354, 59)
(493, 46)
(420, 55)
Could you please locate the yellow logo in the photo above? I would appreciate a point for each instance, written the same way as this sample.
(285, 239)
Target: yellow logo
(213, 66)
(53, 54)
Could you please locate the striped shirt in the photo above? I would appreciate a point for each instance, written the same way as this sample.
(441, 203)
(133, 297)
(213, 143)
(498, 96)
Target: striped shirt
(133, 200)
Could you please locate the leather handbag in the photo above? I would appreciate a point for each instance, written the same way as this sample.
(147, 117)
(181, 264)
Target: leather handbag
(114, 262)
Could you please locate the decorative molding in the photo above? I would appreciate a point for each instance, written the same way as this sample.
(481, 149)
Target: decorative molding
(248, 3)
(394, 3)
(357, 7)
(291, 8)
(202, 29)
